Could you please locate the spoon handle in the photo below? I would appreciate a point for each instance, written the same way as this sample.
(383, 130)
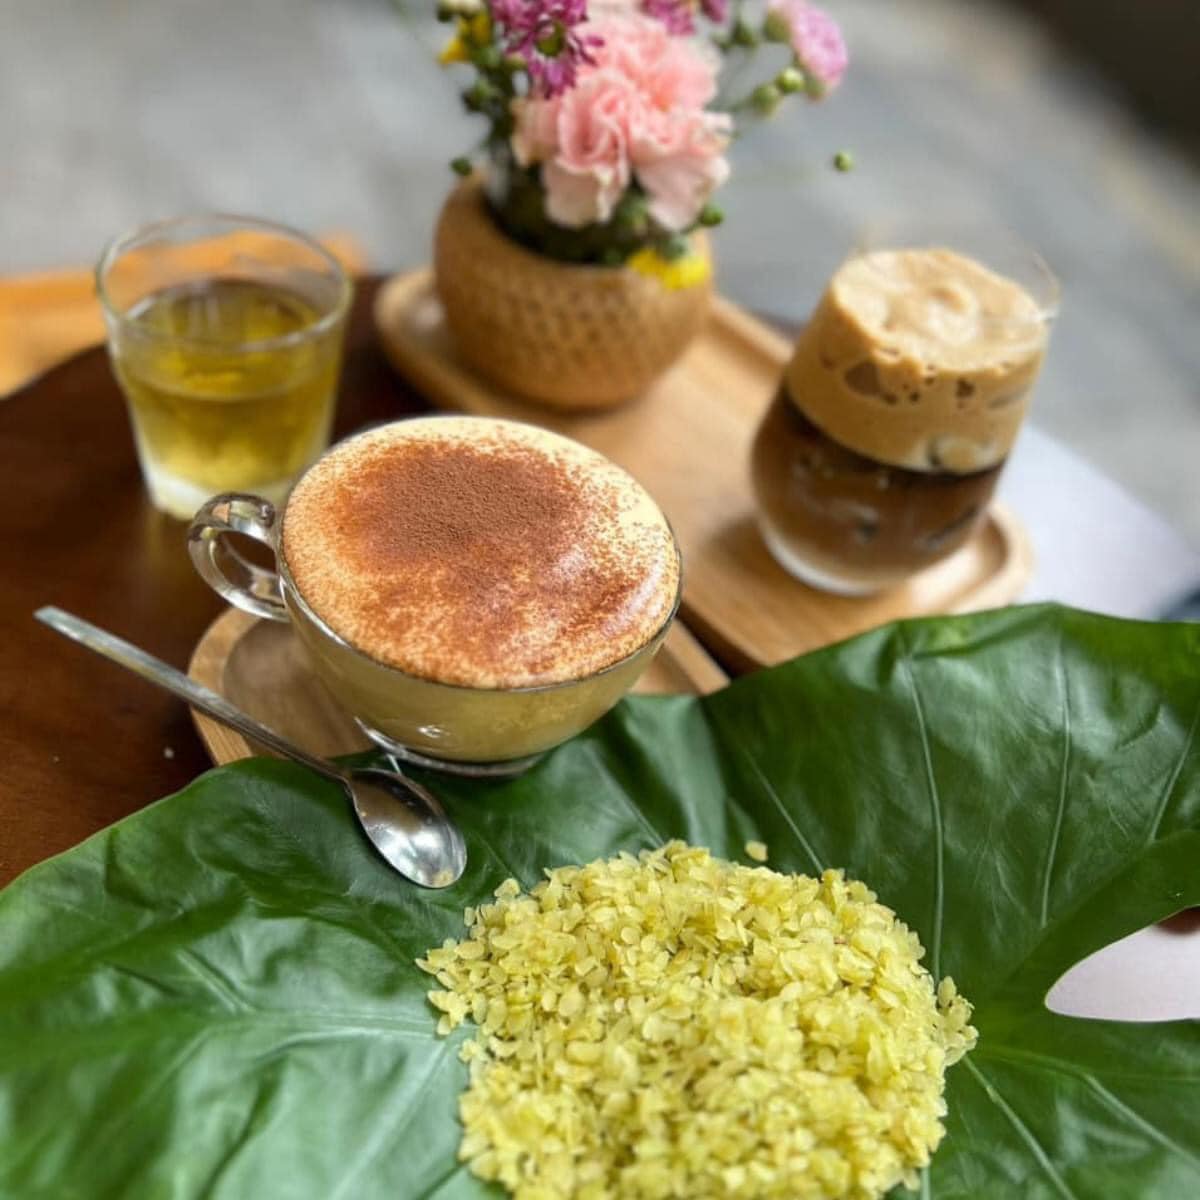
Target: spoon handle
(176, 682)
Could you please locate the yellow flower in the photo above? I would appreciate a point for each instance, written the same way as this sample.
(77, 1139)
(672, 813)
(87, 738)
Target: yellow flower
(689, 270)
(480, 26)
(470, 34)
(454, 51)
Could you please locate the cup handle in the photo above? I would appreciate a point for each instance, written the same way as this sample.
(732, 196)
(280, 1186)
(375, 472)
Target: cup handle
(244, 584)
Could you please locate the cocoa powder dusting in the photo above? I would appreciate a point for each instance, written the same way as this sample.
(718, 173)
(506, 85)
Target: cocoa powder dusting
(475, 549)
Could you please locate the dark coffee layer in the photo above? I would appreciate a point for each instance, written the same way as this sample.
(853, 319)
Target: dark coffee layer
(850, 517)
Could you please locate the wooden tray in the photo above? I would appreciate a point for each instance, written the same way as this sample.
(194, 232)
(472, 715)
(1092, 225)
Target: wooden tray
(688, 441)
(260, 666)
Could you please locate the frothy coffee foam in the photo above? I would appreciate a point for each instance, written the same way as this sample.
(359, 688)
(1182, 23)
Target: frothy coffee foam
(481, 553)
(921, 359)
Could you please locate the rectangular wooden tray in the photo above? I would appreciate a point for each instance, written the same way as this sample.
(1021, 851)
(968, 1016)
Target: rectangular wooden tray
(688, 442)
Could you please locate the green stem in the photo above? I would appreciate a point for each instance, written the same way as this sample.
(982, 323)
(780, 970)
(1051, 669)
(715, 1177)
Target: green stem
(736, 68)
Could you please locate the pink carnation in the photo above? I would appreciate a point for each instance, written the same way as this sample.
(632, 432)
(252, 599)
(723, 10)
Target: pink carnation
(816, 41)
(588, 170)
(636, 112)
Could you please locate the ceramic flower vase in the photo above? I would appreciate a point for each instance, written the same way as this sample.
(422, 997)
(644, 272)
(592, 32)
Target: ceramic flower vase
(565, 335)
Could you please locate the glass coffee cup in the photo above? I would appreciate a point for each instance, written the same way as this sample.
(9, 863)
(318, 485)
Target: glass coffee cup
(880, 452)
(472, 591)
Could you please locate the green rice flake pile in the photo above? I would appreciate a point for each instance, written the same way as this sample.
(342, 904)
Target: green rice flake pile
(675, 1025)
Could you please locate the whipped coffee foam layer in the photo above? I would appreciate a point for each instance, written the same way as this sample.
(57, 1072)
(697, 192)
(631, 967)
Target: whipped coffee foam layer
(920, 358)
(481, 553)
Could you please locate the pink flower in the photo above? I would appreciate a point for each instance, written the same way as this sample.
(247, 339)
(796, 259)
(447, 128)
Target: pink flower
(680, 163)
(637, 112)
(545, 34)
(672, 74)
(589, 170)
(535, 136)
(816, 41)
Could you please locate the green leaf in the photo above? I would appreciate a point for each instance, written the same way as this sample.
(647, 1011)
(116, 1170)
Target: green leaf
(217, 997)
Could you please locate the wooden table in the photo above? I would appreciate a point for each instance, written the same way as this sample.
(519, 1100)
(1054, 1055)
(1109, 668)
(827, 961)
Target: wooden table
(83, 744)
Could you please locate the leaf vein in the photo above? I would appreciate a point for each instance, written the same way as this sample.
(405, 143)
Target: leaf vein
(1160, 810)
(268, 813)
(1056, 833)
(1057, 1066)
(1137, 1120)
(777, 801)
(935, 808)
(439, 1185)
(118, 1118)
(605, 777)
(386, 1138)
(309, 1025)
(214, 980)
(1048, 1062)
(1023, 1130)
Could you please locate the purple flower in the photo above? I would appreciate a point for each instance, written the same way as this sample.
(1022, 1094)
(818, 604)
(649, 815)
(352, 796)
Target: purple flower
(545, 34)
(679, 16)
(676, 15)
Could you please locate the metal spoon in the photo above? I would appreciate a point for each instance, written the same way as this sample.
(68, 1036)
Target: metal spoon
(402, 820)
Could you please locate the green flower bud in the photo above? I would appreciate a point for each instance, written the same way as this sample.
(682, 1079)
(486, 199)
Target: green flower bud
(478, 94)
(843, 160)
(743, 35)
(710, 216)
(674, 247)
(766, 98)
(776, 28)
(461, 166)
(488, 58)
(632, 213)
(790, 80)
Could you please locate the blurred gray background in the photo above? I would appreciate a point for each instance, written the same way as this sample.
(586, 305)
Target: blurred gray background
(332, 114)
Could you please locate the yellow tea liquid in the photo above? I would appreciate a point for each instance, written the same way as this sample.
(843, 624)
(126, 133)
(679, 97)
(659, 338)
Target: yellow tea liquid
(217, 402)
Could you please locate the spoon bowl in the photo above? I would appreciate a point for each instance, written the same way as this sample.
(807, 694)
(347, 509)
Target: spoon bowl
(407, 825)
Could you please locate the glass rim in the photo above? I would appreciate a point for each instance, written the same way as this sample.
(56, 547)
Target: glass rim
(973, 239)
(124, 242)
(323, 627)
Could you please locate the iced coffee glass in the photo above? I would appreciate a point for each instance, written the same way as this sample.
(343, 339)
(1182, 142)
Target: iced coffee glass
(906, 390)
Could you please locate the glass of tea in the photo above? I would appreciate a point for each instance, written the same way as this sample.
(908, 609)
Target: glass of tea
(880, 452)
(225, 334)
